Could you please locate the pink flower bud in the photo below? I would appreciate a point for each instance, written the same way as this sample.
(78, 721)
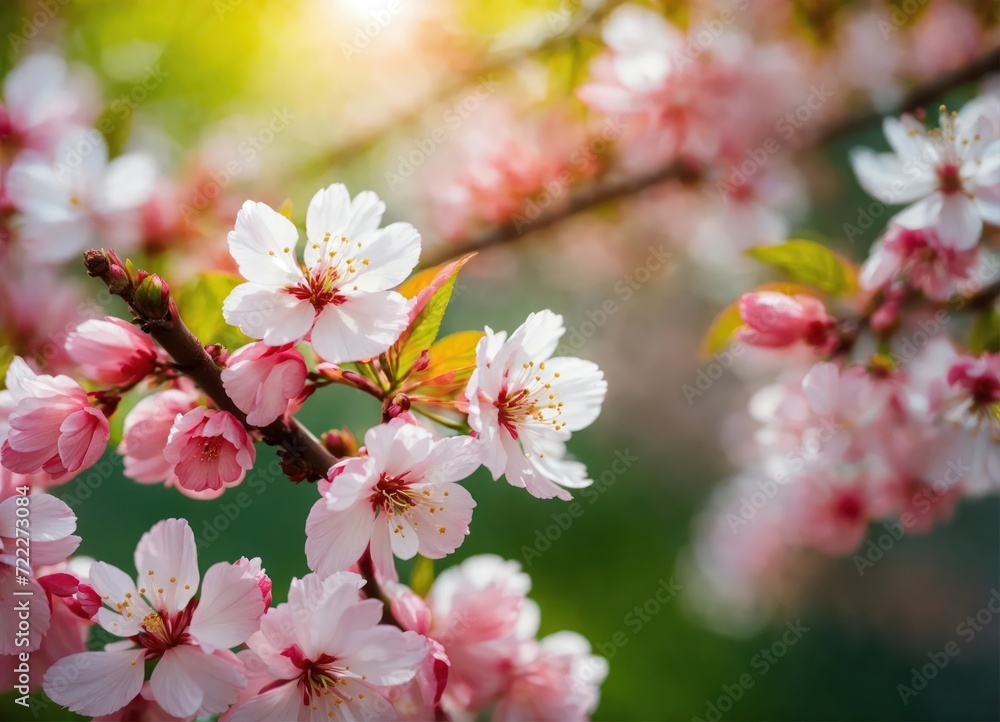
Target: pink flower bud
(775, 320)
(340, 442)
(111, 351)
(262, 379)
(209, 450)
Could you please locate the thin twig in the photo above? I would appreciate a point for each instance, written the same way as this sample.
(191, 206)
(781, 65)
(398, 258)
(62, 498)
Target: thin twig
(191, 358)
(593, 196)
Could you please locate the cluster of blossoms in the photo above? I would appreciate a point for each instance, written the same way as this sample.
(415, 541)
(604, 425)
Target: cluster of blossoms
(463, 650)
(894, 415)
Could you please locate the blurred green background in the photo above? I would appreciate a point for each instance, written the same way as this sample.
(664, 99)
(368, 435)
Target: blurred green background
(227, 58)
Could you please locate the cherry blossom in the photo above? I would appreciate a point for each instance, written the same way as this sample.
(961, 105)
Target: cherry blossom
(52, 427)
(401, 499)
(950, 174)
(51, 538)
(262, 380)
(775, 320)
(160, 618)
(78, 200)
(145, 433)
(324, 654)
(112, 351)
(524, 405)
(921, 259)
(555, 678)
(43, 101)
(340, 299)
(209, 449)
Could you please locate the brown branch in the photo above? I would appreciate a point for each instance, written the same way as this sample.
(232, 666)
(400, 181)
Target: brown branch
(300, 448)
(591, 197)
(493, 63)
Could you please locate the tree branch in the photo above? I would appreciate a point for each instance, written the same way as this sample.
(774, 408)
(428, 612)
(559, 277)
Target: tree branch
(298, 446)
(591, 197)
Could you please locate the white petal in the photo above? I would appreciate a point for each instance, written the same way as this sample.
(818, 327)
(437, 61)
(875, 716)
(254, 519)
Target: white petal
(392, 253)
(229, 608)
(263, 244)
(884, 177)
(96, 683)
(115, 588)
(960, 225)
(336, 539)
(281, 703)
(362, 327)
(269, 314)
(581, 389)
(168, 550)
(128, 183)
(187, 681)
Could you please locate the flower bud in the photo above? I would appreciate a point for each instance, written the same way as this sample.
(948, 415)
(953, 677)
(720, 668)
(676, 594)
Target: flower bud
(393, 407)
(152, 297)
(117, 280)
(775, 320)
(340, 442)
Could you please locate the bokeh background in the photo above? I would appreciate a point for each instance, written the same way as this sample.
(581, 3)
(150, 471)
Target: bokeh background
(225, 67)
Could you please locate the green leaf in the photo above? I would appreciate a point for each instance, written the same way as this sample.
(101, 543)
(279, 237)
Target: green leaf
(422, 576)
(985, 333)
(811, 264)
(200, 303)
(721, 330)
(431, 291)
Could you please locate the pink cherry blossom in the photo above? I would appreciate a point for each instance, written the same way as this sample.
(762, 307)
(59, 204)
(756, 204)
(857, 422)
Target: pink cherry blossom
(209, 449)
(833, 511)
(475, 610)
(776, 320)
(161, 619)
(79, 200)
(951, 175)
(53, 427)
(144, 438)
(324, 654)
(44, 100)
(261, 380)
(555, 678)
(340, 299)
(920, 258)
(524, 405)
(112, 351)
(401, 499)
(51, 538)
